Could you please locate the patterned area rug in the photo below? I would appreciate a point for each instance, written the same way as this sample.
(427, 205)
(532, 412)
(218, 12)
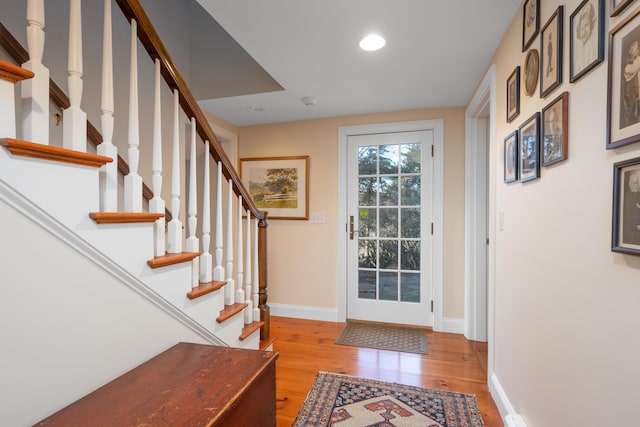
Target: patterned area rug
(384, 337)
(342, 400)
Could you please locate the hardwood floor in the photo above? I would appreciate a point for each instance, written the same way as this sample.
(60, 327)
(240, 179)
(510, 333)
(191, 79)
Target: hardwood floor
(307, 346)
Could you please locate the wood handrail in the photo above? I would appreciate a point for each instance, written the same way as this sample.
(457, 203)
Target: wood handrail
(20, 55)
(132, 9)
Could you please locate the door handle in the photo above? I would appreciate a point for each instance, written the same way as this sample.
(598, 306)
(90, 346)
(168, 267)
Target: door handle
(352, 232)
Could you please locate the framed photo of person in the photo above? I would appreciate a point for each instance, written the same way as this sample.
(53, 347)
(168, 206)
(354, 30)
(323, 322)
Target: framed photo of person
(551, 53)
(623, 86)
(513, 95)
(617, 6)
(530, 22)
(625, 236)
(555, 130)
(531, 67)
(510, 157)
(528, 158)
(586, 44)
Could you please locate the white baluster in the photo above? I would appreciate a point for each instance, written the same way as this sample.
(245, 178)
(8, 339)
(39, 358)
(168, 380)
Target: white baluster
(239, 260)
(108, 172)
(157, 204)
(230, 286)
(174, 239)
(35, 91)
(206, 260)
(74, 120)
(218, 272)
(248, 312)
(256, 310)
(193, 244)
(133, 181)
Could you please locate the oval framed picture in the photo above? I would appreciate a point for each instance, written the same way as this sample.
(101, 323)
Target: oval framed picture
(531, 70)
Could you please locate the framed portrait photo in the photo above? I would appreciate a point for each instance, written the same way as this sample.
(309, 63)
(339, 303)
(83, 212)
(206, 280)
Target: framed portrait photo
(586, 45)
(551, 53)
(513, 95)
(511, 157)
(617, 6)
(531, 67)
(278, 185)
(626, 207)
(530, 22)
(528, 158)
(623, 86)
(555, 130)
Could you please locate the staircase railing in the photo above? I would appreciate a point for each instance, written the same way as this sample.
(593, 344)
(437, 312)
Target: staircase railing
(251, 288)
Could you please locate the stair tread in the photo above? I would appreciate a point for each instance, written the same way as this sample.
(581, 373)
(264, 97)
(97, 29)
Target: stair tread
(229, 311)
(170, 259)
(250, 329)
(205, 288)
(264, 344)
(14, 73)
(58, 154)
(124, 217)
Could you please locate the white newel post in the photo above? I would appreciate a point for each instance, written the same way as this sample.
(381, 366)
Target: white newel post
(206, 261)
(74, 120)
(240, 259)
(248, 312)
(133, 181)
(174, 232)
(256, 310)
(229, 288)
(193, 243)
(156, 204)
(108, 172)
(35, 91)
(218, 272)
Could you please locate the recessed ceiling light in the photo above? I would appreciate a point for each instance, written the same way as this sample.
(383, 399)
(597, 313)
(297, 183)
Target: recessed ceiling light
(372, 42)
(255, 109)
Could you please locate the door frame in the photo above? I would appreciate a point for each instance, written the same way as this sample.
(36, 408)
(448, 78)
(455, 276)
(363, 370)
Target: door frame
(437, 126)
(480, 279)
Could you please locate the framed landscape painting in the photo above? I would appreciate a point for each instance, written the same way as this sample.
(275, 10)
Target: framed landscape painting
(278, 185)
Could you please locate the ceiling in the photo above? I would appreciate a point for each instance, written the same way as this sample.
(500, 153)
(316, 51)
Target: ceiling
(436, 53)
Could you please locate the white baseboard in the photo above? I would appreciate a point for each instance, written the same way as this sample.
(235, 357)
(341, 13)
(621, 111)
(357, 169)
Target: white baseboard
(452, 325)
(508, 414)
(304, 312)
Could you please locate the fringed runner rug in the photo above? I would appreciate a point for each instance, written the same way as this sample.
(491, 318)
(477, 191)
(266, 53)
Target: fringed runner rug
(342, 400)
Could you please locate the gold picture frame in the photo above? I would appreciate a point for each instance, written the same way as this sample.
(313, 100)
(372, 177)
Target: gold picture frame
(531, 71)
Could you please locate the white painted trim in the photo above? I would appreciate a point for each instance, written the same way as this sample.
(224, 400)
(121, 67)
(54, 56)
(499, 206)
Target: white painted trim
(229, 142)
(486, 92)
(508, 414)
(32, 212)
(437, 126)
(453, 325)
(304, 312)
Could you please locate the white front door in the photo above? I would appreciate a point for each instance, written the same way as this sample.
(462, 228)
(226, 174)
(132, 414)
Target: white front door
(389, 230)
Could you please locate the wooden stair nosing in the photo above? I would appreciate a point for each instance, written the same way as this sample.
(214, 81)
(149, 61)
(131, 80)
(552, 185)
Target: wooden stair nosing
(14, 73)
(124, 217)
(264, 344)
(205, 288)
(170, 259)
(48, 152)
(230, 310)
(250, 329)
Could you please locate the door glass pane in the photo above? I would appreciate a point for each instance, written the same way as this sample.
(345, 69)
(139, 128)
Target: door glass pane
(367, 160)
(368, 226)
(389, 286)
(388, 191)
(410, 191)
(410, 255)
(410, 287)
(410, 155)
(388, 254)
(388, 222)
(368, 191)
(367, 253)
(366, 284)
(389, 159)
(410, 225)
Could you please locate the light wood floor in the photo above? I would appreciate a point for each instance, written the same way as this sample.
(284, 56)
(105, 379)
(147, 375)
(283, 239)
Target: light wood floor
(307, 346)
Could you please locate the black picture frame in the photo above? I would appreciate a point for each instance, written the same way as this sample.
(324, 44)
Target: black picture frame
(513, 95)
(530, 22)
(531, 72)
(625, 236)
(623, 114)
(529, 149)
(555, 130)
(616, 7)
(551, 51)
(586, 41)
(511, 157)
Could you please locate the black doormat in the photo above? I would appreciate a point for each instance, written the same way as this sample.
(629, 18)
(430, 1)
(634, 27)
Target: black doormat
(384, 337)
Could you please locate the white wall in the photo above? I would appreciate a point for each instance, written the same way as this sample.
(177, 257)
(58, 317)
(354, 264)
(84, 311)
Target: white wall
(566, 306)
